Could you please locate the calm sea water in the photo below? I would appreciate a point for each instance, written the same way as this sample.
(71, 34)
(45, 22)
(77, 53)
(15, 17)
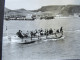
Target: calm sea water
(68, 48)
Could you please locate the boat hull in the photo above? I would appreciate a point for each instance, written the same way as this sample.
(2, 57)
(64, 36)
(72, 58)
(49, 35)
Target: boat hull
(28, 42)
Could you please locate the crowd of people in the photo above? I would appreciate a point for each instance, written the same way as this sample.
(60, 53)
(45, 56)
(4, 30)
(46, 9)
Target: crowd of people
(39, 32)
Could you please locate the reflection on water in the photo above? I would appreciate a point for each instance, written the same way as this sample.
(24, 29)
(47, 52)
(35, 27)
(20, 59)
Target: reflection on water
(68, 48)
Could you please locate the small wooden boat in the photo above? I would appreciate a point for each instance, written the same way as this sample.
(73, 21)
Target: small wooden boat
(28, 42)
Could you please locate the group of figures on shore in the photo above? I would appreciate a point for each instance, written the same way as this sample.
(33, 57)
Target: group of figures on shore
(40, 32)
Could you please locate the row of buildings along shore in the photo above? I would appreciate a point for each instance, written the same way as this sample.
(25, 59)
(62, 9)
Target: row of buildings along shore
(39, 15)
(18, 17)
(29, 16)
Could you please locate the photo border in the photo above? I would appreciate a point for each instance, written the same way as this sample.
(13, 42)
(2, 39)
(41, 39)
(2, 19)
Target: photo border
(1, 25)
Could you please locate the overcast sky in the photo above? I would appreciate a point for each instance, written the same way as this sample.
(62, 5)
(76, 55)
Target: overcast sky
(35, 4)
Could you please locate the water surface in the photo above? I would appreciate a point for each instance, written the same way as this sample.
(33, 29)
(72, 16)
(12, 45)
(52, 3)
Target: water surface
(68, 48)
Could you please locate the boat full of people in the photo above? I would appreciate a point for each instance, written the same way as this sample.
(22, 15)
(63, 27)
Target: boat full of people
(36, 35)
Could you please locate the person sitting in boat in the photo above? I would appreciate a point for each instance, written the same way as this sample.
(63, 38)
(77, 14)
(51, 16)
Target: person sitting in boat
(27, 32)
(19, 33)
(57, 31)
(36, 31)
(32, 34)
(50, 31)
(41, 32)
(54, 31)
(25, 35)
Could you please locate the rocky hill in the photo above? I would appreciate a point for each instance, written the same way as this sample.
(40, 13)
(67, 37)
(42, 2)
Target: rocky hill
(23, 12)
(55, 9)
(61, 9)
(71, 9)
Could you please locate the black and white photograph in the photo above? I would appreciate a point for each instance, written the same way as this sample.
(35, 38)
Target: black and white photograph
(41, 30)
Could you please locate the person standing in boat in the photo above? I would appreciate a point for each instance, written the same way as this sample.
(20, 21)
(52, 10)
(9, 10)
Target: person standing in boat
(19, 33)
(38, 34)
(50, 31)
(31, 33)
(41, 32)
(47, 33)
(61, 30)
(57, 31)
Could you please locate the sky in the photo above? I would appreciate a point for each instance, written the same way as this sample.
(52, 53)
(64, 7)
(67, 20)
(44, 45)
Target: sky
(36, 4)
